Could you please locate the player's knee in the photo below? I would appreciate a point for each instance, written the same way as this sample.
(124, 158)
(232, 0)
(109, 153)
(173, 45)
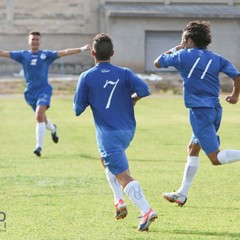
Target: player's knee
(39, 117)
(214, 160)
(215, 163)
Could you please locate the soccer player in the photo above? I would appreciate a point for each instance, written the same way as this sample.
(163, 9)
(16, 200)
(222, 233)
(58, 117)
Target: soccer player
(111, 92)
(199, 69)
(38, 91)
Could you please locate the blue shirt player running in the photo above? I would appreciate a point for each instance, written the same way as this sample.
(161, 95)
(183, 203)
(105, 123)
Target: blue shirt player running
(111, 92)
(38, 91)
(199, 69)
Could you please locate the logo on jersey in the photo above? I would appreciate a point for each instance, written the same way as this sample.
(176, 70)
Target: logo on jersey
(33, 62)
(43, 56)
(105, 70)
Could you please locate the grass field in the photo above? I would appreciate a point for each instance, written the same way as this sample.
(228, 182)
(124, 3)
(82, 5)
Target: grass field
(64, 194)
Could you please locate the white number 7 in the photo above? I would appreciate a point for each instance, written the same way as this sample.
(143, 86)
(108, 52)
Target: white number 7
(111, 94)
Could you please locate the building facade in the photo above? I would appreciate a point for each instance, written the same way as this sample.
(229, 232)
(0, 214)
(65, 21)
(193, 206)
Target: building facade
(140, 29)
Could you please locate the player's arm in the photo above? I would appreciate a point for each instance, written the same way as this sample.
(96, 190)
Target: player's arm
(4, 54)
(135, 98)
(170, 51)
(233, 98)
(80, 102)
(71, 51)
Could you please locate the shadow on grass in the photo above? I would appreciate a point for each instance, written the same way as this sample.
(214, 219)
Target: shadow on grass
(68, 156)
(97, 157)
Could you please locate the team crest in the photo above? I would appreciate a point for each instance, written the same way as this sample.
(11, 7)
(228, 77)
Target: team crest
(43, 56)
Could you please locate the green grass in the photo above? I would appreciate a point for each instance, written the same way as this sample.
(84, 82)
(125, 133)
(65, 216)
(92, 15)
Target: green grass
(64, 194)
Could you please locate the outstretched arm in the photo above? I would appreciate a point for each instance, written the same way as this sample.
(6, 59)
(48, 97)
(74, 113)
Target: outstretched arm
(4, 54)
(233, 98)
(71, 51)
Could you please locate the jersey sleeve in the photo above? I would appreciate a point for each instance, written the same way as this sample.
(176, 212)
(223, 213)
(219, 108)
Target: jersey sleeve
(137, 85)
(80, 98)
(167, 60)
(17, 56)
(51, 55)
(229, 69)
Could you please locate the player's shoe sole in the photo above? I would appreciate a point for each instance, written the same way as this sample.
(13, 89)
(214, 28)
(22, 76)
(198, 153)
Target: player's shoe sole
(175, 197)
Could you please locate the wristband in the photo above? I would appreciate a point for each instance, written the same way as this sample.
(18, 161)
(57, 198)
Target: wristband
(173, 50)
(82, 49)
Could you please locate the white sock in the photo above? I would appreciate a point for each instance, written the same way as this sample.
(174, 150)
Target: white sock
(115, 186)
(228, 156)
(40, 133)
(190, 171)
(134, 191)
(50, 126)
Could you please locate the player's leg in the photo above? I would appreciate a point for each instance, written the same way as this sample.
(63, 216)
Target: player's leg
(112, 146)
(224, 156)
(190, 170)
(53, 129)
(134, 192)
(44, 98)
(40, 128)
(210, 141)
(120, 205)
(42, 104)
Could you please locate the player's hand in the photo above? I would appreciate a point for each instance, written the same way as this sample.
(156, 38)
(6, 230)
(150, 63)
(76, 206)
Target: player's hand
(189, 147)
(231, 99)
(181, 46)
(87, 47)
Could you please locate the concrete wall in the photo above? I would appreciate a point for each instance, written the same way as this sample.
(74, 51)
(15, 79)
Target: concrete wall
(73, 23)
(63, 24)
(128, 31)
(129, 38)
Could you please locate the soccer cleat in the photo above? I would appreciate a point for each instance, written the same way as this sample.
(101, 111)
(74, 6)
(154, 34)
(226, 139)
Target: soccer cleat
(54, 135)
(175, 197)
(37, 151)
(121, 210)
(147, 219)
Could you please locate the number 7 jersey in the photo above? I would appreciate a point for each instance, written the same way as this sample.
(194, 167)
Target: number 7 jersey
(107, 89)
(199, 69)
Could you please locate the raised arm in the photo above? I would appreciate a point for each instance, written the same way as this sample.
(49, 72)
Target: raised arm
(170, 51)
(4, 54)
(71, 51)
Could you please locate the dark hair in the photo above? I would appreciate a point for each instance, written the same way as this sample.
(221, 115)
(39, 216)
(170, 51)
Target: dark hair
(103, 46)
(35, 33)
(199, 32)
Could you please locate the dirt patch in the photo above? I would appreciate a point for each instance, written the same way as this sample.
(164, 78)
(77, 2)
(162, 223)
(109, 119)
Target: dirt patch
(62, 86)
(65, 85)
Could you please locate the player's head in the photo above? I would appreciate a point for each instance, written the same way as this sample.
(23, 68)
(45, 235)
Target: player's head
(102, 47)
(34, 40)
(198, 32)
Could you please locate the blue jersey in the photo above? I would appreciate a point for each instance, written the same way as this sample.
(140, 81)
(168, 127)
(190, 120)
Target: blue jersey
(107, 89)
(35, 66)
(199, 69)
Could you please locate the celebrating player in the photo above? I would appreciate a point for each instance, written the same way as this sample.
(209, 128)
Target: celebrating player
(38, 91)
(199, 69)
(111, 92)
